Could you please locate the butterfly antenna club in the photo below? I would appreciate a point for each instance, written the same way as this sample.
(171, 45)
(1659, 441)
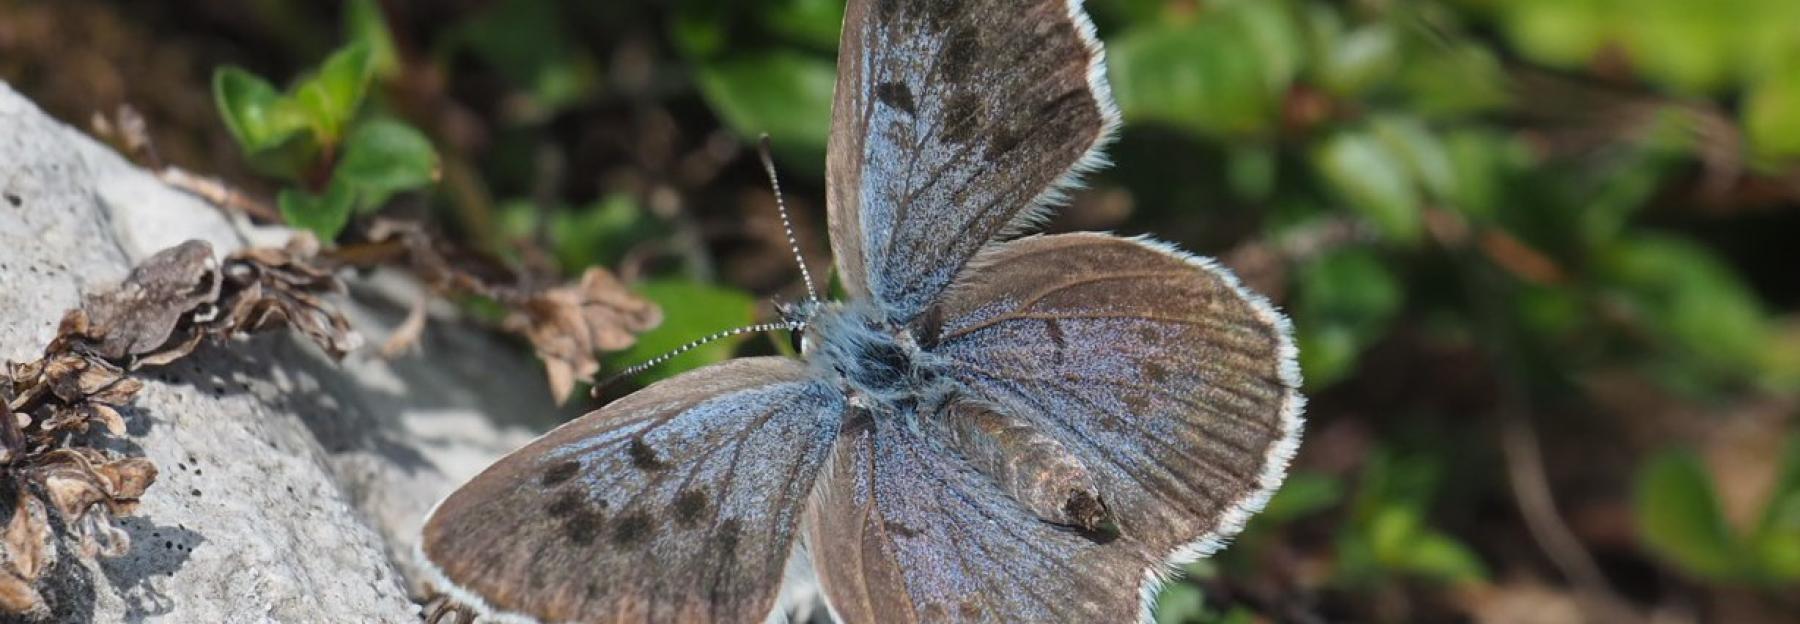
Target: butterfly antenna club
(768, 163)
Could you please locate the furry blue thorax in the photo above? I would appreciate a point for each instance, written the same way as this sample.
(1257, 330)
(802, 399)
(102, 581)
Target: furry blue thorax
(881, 365)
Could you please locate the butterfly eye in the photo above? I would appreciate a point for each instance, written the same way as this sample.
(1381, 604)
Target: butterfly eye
(797, 340)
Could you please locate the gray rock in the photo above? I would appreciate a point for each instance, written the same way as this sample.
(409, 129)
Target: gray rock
(291, 487)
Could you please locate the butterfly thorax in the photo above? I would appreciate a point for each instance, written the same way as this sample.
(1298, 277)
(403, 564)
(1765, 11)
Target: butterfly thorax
(880, 364)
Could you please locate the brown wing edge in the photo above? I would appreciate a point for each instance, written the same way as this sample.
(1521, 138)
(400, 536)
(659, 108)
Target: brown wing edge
(441, 583)
(1094, 157)
(1275, 461)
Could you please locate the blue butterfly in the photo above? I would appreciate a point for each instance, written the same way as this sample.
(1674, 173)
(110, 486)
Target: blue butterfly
(994, 427)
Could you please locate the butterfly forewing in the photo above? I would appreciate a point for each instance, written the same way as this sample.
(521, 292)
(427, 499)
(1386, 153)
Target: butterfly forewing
(677, 503)
(952, 122)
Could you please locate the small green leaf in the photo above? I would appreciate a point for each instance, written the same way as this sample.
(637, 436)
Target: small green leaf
(786, 94)
(811, 22)
(325, 215)
(383, 157)
(1250, 168)
(1778, 533)
(1362, 58)
(529, 43)
(1772, 116)
(1439, 557)
(1303, 494)
(365, 24)
(691, 310)
(1374, 181)
(1198, 75)
(1711, 322)
(601, 232)
(1180, 603)
(331, 97)
(257, 116)
(1678, 515)
(1344, 301)
(1420, 150)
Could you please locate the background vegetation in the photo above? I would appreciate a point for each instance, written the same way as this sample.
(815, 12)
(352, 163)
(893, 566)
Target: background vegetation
(1541, 253)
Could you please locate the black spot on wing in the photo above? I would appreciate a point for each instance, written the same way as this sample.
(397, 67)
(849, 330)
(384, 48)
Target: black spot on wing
(689, 506)
(643, 457)
(560, 472)
(896, 95)
(956, 62)
(964, 115)
(566, 504)
(901, 530)
(725, 539)
(1156, 372)
(630, 529)
(1005, 140)
(581, 525)
(939, 14)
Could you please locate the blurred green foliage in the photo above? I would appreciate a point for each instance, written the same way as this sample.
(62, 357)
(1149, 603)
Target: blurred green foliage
(1683, 521)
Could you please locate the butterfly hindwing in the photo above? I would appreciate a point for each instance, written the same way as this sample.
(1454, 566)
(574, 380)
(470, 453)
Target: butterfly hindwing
(677, 503)
(952, 122)
(904, 530)
(1176, 388)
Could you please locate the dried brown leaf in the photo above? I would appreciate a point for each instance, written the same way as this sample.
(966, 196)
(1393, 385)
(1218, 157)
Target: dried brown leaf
(569, 325)
(268, 288)
(26, 550)
(79, 481)
(141, 313)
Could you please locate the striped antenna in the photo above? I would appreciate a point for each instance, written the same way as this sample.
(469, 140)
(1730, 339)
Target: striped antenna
(768, 163)
(659, 360)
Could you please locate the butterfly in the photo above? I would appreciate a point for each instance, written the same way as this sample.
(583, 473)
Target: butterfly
(992, 427)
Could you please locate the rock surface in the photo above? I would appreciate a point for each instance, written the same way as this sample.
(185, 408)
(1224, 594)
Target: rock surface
(291, 487)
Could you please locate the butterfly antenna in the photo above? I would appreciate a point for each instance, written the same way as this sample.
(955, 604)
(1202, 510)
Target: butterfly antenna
(658, 360)
(768, 163)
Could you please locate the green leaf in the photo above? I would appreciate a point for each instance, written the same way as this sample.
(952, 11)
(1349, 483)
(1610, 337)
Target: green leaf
(383, 157)
(1679, 517)
(1561, 33)
(1361, 59)
(1771, 115)
(529, 43)
(1420, 150)
(1712, 324)
(325, 215)
(603, 231)
(1250, 168)
(1302, 494)
(1442, 558)
(1224, 74)
(1179, 603)
(331, 97)
(1345, 301)
(1777, 536)
(257, 116)
(691, 310)
(814, 23)
(1374, 181)
(366, 25)
(786, 94)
